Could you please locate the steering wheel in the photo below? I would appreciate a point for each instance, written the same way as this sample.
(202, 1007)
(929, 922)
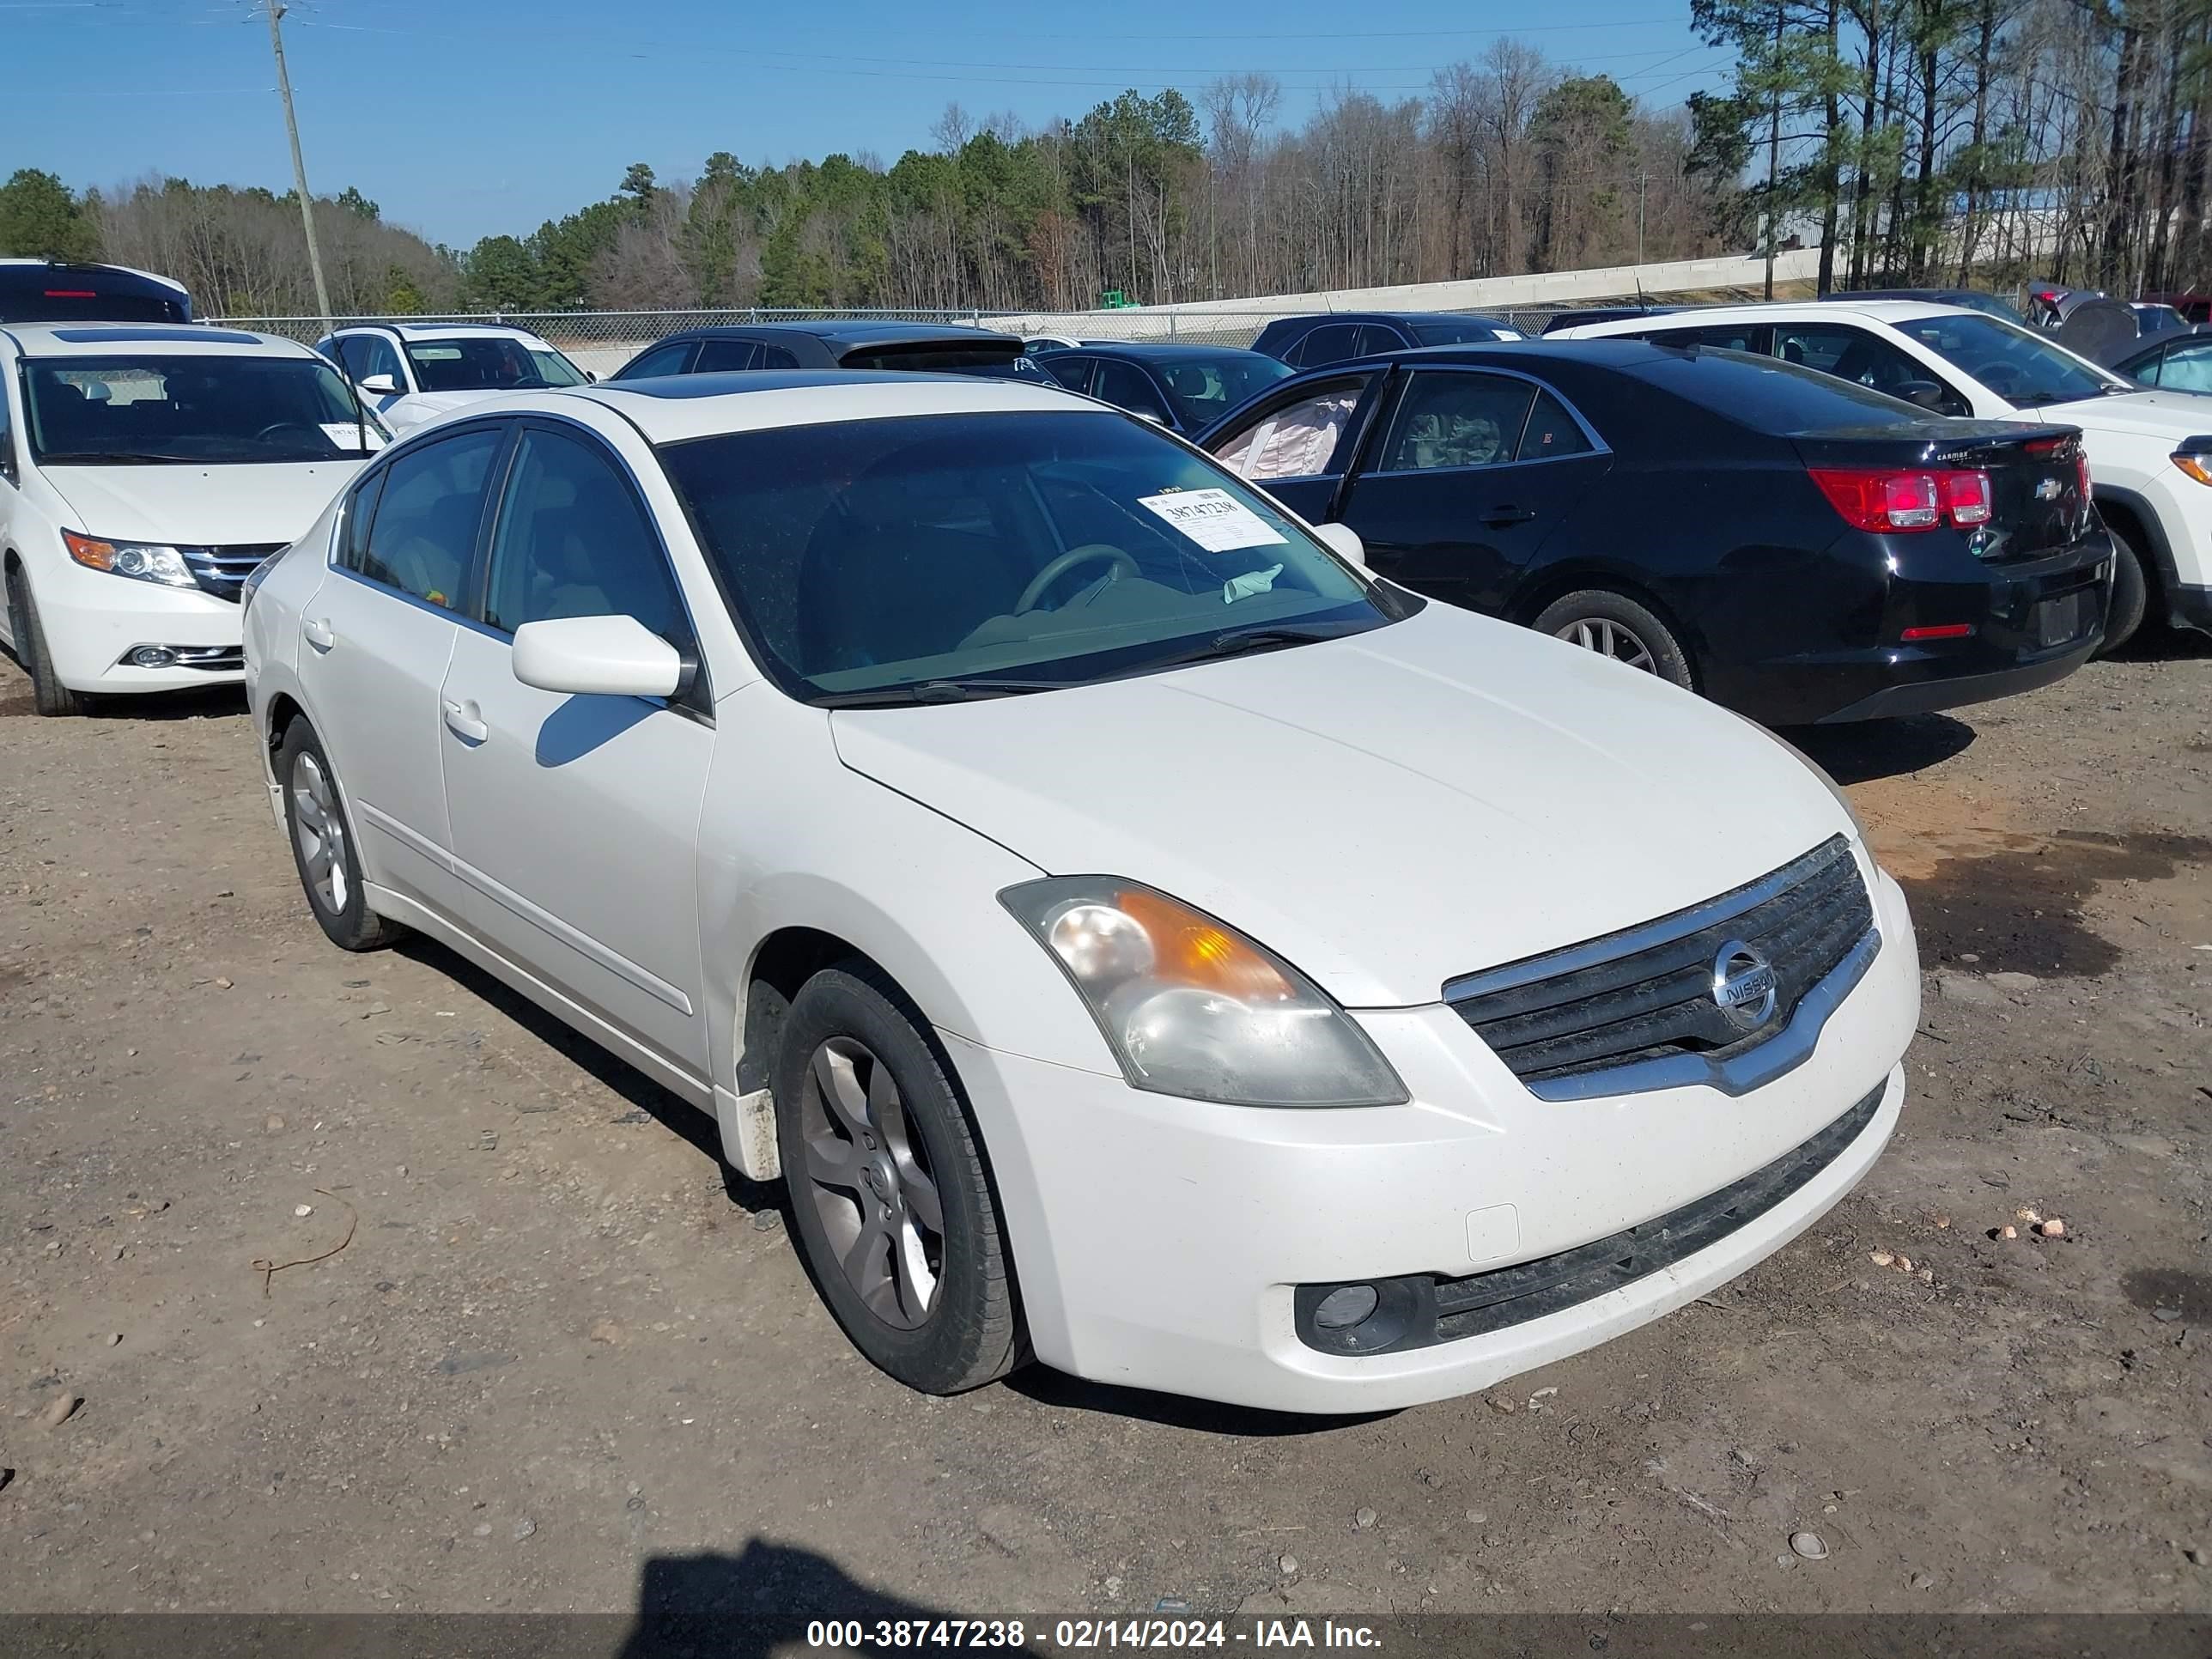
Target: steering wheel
(2001, 377)
(1090, 553)
(276, 427)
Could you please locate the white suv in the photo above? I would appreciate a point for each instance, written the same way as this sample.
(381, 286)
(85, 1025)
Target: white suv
(411, 373)
(2150, 453)
(145, 468)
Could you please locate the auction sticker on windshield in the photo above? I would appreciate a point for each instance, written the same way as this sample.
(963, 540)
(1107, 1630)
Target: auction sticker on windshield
(1214, 518)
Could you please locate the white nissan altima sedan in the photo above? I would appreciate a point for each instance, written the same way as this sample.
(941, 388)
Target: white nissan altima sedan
(1138, 938)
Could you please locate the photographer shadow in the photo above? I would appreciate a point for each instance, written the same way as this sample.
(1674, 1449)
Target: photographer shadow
(757, 1605)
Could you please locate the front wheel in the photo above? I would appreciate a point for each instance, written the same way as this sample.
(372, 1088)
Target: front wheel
(1616, 626)
(2130, 595)
(889, 1199)
(48, 695)
(322, 847)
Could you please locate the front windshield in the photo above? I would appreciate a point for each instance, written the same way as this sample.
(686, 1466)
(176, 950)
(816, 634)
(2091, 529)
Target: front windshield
(483, 362)
(1203, 389)
(2009, 361)
(1990, 304)
(555, 369)
(894, 557)
(193, 407)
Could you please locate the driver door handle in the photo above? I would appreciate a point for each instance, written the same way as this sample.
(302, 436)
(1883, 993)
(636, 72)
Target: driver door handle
(461, 720)
(318, 634)
(1499, 517)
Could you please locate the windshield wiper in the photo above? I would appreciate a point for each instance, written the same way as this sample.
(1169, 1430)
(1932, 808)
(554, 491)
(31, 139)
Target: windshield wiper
(114, 457)
(940, 691)
(1236, 642)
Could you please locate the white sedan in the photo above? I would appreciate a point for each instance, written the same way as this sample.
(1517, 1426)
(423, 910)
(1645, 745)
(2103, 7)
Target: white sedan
(1139, 939)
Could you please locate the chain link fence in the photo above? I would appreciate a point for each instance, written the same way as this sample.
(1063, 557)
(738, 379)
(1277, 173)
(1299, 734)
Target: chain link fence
(603, 341)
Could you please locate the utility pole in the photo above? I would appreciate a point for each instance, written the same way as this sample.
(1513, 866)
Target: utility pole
(299, 166)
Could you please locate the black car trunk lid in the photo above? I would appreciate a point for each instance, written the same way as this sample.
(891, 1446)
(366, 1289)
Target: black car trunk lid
(2037, 475)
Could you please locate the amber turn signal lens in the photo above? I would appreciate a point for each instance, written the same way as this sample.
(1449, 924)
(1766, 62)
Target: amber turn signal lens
(87, 550)
(1190, 949)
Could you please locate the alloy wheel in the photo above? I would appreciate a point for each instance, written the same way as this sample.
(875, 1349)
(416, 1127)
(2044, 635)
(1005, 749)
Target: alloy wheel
(1609, 638)
(869, 1180)
(318, 830)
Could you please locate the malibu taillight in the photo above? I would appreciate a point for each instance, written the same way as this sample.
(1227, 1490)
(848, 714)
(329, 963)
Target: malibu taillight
(1889, 498)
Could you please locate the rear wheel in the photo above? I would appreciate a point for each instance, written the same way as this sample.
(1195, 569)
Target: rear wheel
(322, 849)
(2130, 595)
(1613, 625)
(889, 1195)
(48, 695)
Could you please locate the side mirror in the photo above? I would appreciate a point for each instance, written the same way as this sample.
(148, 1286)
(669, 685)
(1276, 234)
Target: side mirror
(1926, 393)
(1151, 414)
(597, 657)
(1342, 540)
(380, 385)
(591, 377)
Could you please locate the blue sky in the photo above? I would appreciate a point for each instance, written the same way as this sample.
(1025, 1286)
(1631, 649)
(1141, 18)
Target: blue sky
(466, 117)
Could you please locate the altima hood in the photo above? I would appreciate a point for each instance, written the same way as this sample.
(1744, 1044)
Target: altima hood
(200, 506)
(1445, 794)
(2145, 414)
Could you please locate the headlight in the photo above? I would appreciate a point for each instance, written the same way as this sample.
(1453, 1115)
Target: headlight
(1191, 1007)
(145, 562)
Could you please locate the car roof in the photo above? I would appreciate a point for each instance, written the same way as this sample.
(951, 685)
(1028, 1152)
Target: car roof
(1160, 351)
(836, 332)
(1793, 310)
(142, 339)
(669, 408)
(442, 330)
(1407, 317)
(18, 261)
(1525, 353)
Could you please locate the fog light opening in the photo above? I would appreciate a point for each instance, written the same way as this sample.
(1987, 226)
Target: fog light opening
(151, 656)
(1347, 1306)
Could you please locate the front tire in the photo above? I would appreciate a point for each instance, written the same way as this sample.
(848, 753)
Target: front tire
(2130, 595)
(1613, 625)
(48, 695)
(889, 1198)
(322, 845)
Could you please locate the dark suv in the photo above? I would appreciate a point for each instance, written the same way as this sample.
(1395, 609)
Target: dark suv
(1336, 337)
(51, 291)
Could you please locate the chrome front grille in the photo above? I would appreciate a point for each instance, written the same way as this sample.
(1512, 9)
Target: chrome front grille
(1641, 1009)
(222, 571)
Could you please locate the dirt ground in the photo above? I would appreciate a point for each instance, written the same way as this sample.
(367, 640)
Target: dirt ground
(566, 1352)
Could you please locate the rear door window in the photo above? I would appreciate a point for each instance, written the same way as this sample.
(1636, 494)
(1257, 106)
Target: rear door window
(1552, 431)
(717, 355)
(1332, 342)
(1452, 419)
(2187, 368)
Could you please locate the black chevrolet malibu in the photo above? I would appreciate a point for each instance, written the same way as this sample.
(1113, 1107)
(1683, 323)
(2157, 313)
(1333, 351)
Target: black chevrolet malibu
(1798, 548)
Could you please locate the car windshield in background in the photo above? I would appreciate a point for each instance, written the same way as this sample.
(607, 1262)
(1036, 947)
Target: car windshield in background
(1203, 389)
(482, 364)
(1473, 331)
(1991, 305)
(191, 409)
(2016, 365)
(1768, 395)
(915, 558)
(554, 369)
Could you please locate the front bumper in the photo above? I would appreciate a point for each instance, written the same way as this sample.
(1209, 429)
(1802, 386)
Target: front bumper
(2190, 607)
(2010, 651)
(92, 619)
(1161, 1242)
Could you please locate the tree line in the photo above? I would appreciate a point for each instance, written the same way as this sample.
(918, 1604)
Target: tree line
(1918, 140)
(1915, 140)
